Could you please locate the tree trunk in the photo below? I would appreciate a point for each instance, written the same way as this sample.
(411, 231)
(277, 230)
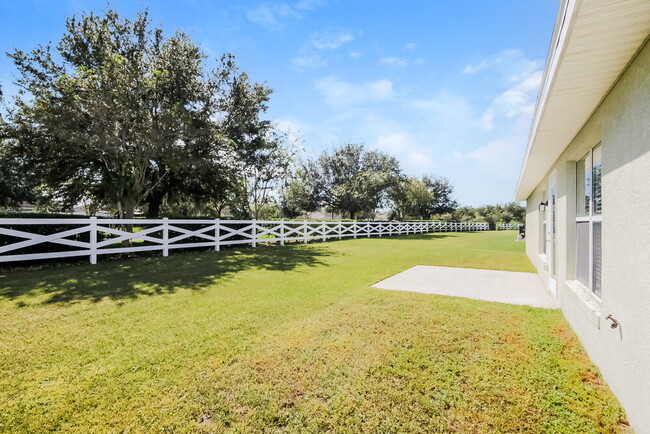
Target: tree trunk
(154, 203)
(128, 213)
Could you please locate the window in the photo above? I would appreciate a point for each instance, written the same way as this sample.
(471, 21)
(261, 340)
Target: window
(589, 220)
(542, 235)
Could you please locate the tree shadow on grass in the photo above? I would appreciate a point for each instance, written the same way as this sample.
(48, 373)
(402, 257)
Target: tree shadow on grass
(138, 277)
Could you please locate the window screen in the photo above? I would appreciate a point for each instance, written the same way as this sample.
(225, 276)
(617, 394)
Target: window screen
(589, 207)
(583, 174)
(597, 258)
(596, 178)
(582, 260)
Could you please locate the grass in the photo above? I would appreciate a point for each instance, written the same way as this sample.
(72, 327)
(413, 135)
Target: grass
(290, 339)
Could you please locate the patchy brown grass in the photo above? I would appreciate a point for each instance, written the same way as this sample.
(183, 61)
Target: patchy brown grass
(290, 340)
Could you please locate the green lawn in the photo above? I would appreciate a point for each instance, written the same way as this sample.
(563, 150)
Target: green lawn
(289, 339)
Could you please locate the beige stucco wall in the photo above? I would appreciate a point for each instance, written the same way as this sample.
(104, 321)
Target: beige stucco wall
(622, 124)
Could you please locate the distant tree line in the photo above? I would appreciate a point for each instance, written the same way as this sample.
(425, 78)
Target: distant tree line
(118, 116)
(508, 213)
(357, 183)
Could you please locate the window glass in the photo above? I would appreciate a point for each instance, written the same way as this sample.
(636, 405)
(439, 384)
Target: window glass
(583, 186)
(597, 258)
(582, 260)
(588, 220)
(596, 180)
(553, 209)
(542, 237)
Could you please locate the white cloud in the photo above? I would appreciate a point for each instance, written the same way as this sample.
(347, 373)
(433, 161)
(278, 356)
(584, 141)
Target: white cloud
(406, 148)
(473, 69)
(505, 59)
(411, 46)
(486, 122)
(340, 93)
(519, 99)
(421, 160)
(487, 137)
(394, 143)
(310, 61)
(330, 40)
(521, 78)
(394, 61)
(450, 110)
(400, 62)
(309, 56)
(355, 55)
(455, 157)
(474, 134)
(500, 157)
(274, 14)
(308, 5)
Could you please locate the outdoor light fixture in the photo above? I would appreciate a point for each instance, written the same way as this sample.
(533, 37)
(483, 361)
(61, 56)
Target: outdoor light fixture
(542, 206)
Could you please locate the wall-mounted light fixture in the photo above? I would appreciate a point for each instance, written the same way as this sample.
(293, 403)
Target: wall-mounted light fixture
(542, 206)
(614, 321)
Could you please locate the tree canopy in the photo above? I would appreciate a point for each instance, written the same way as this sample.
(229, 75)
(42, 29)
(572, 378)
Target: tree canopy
(350, 180)
(122, 116)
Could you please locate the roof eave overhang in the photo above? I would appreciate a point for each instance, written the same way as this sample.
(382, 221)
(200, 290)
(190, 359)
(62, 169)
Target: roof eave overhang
(593, 42)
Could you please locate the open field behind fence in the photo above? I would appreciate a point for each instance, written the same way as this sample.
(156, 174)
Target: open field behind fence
(25, 239)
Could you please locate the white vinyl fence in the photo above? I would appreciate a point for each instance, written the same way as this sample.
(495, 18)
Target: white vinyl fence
(60, 238)
(506, 227)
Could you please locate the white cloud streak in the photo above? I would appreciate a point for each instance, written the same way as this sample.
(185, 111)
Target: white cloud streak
(400, 62)
(274, 15)
(411, 46)
(340, 93)
(310, 57)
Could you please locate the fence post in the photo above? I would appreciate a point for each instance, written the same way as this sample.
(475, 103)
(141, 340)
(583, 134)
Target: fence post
(254, 233)
(93, 240)
(217, 235)
(165, 236)
(323, 228)
(282, 232)
(354, 229)
(305, 230)
(368, 228)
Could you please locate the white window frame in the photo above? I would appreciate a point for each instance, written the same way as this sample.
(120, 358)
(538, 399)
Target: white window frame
(590, 219)
(542, 232)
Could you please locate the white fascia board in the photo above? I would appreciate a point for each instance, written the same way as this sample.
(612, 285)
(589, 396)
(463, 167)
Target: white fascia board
(561, 34)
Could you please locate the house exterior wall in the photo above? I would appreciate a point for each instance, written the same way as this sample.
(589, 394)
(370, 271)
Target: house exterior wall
(622, 124)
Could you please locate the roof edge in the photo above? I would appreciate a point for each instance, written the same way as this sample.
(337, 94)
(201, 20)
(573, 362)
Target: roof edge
(563, 23)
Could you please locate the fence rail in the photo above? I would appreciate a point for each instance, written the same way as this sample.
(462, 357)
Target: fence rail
(507, 226)
(60, 238)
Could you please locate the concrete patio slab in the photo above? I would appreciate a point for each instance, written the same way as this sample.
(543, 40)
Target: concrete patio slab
(490, 285)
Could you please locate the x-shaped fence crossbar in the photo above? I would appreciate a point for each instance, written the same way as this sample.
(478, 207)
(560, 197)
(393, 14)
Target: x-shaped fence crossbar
(92, 236)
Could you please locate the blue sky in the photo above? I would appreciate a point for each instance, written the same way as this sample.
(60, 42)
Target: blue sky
(446, 87)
